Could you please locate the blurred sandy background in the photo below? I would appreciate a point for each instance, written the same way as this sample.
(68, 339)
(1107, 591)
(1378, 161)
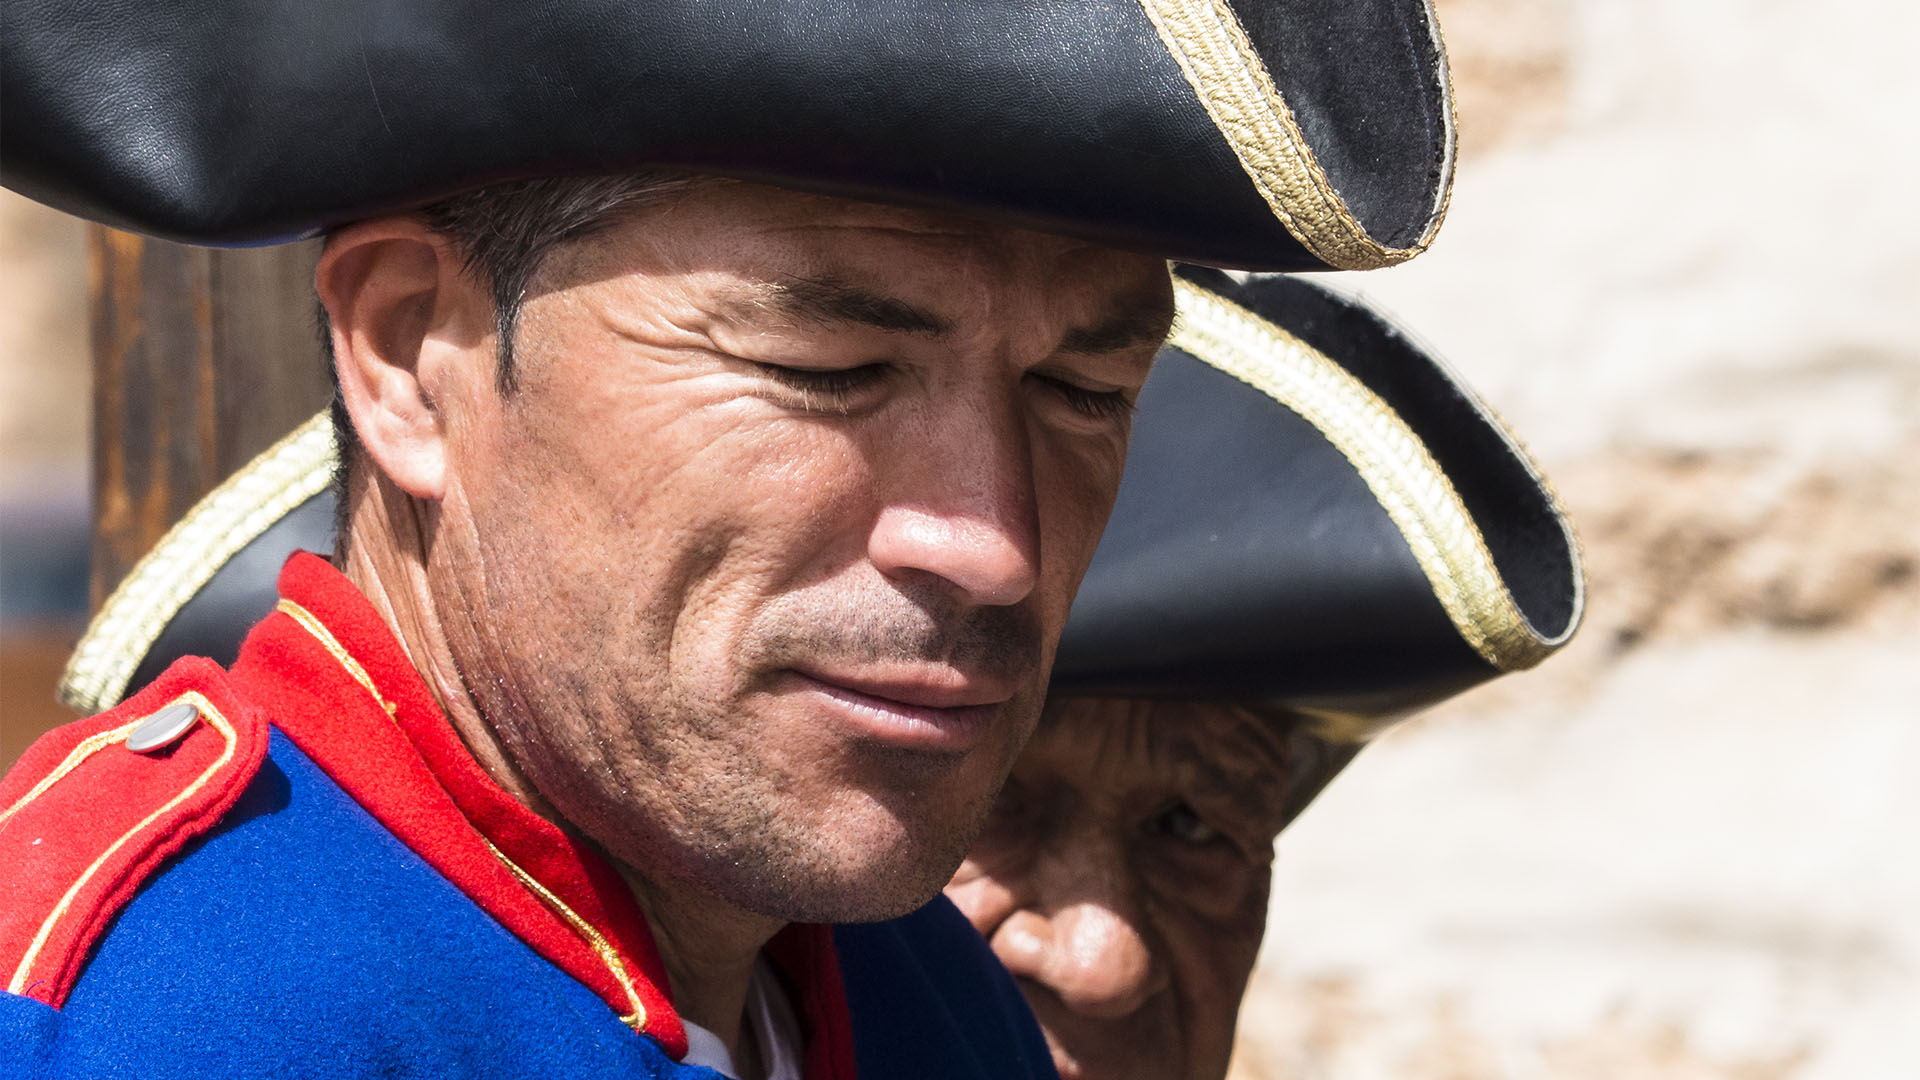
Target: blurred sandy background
(44, 436)
(1683, 260)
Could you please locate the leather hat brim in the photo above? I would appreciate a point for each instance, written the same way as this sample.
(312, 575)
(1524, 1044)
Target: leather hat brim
(1296, 134)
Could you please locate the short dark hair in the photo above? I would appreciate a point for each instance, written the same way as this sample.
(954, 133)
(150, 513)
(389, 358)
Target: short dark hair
(504, 234)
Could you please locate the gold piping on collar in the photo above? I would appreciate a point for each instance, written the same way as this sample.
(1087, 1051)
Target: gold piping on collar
(292, 471)
(637, 1019)
(1390, 458)
(19, 982)
(318, 630)
(1232, 82)
(602, 948)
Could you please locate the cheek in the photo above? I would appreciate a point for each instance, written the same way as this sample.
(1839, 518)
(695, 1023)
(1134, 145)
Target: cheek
(1075, 482)
(1002, 851)
(675, 479)
(1217, 882)
(1212, 963)
(1219, 914)
(979, 896)
(636, 548)
(758, 510)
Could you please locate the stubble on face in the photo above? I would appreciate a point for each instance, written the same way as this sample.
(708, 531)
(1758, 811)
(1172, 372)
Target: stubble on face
(653, 550)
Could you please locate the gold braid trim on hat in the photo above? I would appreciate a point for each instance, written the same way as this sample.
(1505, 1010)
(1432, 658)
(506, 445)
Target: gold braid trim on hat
(1390, 458)
(247, 504)
(1234, 86)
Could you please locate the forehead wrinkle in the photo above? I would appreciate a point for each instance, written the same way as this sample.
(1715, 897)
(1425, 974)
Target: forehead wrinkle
(1109, 740)
(989, 242)
(1228, 750)
(958, 227)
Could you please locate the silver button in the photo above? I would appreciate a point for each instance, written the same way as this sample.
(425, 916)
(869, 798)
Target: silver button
(163, 728)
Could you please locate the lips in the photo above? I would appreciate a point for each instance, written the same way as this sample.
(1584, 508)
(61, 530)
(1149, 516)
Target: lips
(924, 709)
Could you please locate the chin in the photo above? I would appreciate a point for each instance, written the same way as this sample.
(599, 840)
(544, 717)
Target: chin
(857, 891)
(885, 883)
(859, 862)
(893, 847)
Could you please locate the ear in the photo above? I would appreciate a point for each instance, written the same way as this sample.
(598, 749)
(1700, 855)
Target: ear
(405, 323)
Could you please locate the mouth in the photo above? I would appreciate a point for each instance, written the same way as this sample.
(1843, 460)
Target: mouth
(930, 712)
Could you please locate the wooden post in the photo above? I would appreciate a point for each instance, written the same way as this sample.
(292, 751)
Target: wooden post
(202, 358)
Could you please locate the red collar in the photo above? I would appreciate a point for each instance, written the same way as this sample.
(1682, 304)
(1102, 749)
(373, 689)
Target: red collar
(334, 679)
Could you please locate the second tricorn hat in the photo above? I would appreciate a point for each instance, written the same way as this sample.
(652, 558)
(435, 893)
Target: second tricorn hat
(1284, 135)
(1318, 515)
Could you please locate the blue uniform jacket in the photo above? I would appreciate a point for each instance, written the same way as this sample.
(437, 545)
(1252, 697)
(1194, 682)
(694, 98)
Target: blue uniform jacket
(310, 883)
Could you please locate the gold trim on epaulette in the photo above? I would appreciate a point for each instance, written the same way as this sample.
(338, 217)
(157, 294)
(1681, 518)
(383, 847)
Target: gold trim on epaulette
(1390, 458)
(1232, 83)
(289, 473)
(94, 744)
(87, 747)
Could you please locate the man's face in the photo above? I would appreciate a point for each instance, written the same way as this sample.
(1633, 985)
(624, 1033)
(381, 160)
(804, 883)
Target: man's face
(758, 571)
(1123, 879)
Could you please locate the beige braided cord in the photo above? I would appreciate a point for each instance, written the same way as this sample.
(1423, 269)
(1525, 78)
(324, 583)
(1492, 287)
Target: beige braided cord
(289, 473)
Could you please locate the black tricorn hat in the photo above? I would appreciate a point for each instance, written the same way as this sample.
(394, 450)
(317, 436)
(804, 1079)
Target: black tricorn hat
(1318, 523)
(1279, 135)
(1315, 515)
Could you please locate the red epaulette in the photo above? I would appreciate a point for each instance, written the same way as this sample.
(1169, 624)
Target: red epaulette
(95, 807)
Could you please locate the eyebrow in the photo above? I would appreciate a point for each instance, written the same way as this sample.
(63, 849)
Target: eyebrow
(831, 300)
(1134, 325)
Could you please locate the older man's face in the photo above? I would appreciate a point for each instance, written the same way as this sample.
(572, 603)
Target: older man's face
(759, 570)
(1123, 880)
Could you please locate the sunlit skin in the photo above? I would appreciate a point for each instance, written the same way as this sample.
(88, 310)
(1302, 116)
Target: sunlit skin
(754, 578)
(1123, 879)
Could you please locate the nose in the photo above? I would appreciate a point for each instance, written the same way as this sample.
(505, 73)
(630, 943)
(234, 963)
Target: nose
(960, 507)
(1095, 958)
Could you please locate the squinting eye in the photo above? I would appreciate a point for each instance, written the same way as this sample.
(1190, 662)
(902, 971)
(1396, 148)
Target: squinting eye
(1099, 404)
(1181, 823)
(832, 382)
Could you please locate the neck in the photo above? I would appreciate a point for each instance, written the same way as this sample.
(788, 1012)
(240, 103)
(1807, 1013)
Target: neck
(707, 945)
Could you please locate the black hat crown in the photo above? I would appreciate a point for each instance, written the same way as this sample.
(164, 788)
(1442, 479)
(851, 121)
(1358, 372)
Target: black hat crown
(1284, 135)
